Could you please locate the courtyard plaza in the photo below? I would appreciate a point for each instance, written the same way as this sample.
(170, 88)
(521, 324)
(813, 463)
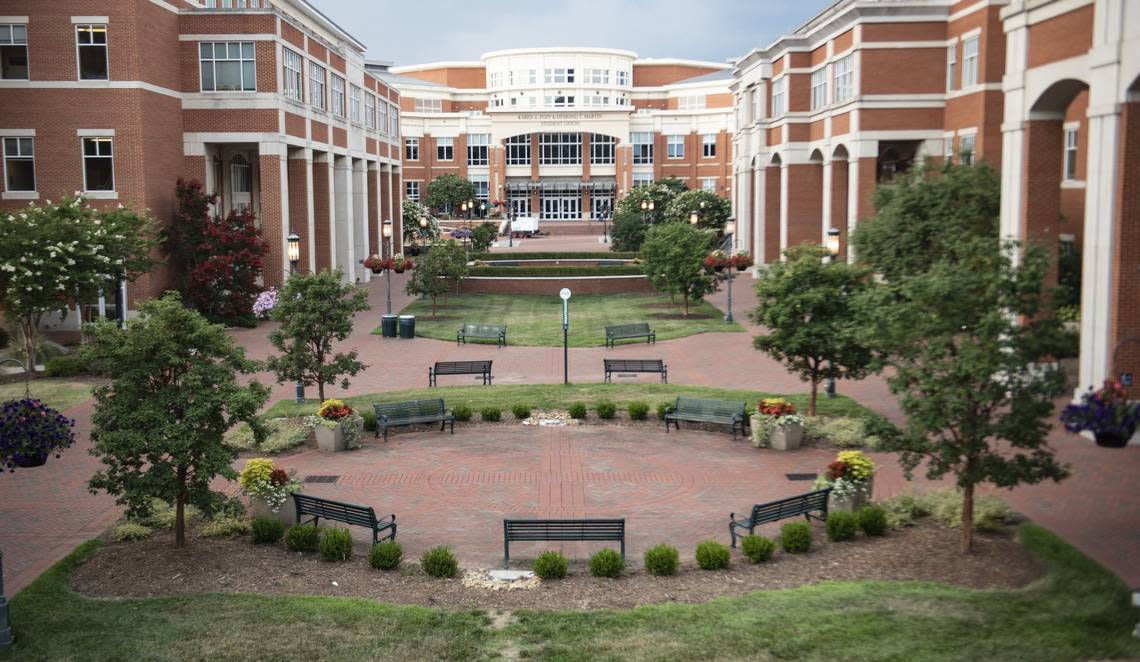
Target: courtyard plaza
(456, 489)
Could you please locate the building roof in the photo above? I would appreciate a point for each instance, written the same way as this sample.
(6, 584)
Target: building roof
(396, 79)
(711, 77)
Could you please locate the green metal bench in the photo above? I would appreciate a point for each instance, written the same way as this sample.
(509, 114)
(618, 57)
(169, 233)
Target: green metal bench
(635, 365)
(482, 368)
(317, 508)
(412, 412)
(483, 332)
(699, 410)
(561, 530)
(801, 504)
(623, 331)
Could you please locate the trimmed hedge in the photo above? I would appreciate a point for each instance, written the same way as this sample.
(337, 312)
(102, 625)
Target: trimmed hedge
(303, 538)
(336, 545)
(550, 565)
(841, 526)
(385, 555)
(795, 537)
(558, 255)
(757, 548)
(266, 530)
(712, 555)
(523, 272)
(606, 563)
(662, 560)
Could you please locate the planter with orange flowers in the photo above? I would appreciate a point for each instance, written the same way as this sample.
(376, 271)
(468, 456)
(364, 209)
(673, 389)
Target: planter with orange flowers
(336, 426)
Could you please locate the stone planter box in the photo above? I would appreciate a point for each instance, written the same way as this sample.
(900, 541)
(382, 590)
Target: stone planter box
(332, 439)
(259, 508)
(782, 438)
(860, 499)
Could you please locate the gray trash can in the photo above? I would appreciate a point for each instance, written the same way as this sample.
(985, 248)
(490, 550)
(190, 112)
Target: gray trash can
(388, 326)
(407, 326)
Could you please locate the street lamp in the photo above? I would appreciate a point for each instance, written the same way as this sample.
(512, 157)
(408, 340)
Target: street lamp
(512, 214)
(293, 252)
(729, 230)
(646, 209)
(694, 218)
(607, 214)
(832, 248)
(386, 231)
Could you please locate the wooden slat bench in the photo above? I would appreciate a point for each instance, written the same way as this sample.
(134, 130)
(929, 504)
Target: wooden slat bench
(562, 530)
(460, 368)
(801, 504)
(700, 410)
(623, 331)
(482, 331)
(412, 412)
(636, 365)
(317, 509)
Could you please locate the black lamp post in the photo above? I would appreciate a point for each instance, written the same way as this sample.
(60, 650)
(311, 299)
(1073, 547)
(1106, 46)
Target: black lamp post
(386, 231)
(729, 230)
(511, 216)
(293, 252)
(832, 255)
(607, 214)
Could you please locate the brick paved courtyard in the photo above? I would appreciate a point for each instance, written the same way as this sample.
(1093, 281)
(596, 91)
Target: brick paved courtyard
(679, 487)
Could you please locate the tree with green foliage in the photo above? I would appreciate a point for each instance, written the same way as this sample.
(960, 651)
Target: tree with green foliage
(53, 255)
(630, 222)
(411, 213)
(313, 311)
(447, 192)
(158, 427)
(962, 326)
(675, 185)
(483, 236)
(805, 305)
(434, 270)
(673, 257)
(713, 211)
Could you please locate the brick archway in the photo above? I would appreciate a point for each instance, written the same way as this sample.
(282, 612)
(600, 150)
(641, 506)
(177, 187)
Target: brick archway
(773, 176)
(805, 201)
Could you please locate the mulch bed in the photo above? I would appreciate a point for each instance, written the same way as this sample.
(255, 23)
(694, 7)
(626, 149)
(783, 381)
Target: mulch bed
(925, 552)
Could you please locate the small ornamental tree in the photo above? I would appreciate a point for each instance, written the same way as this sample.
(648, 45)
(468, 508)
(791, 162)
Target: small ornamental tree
(806, 308)
(673, 257)
(158, 427)
(313, 311)
(218, 260)
(448, 192)
(55, 254)
(411, 213)
(631, 222)
(713, 211)
(443, 263)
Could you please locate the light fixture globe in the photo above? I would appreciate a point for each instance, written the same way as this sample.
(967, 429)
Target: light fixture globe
(833, 241)
(293, 248)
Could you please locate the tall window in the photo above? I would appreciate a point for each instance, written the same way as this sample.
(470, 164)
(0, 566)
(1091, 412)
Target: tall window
(19, 164)
(560, 101)
(14, 52)
(692, 102)
(951, 65)
(317, 85)
(481, 187)
(412, 191)
(675, 147)
(708, 145)
(237, 4)
(337, 95)
(393, 120)
(477, 145)
(602, 149)
(757, 98)
(560, 148)
(596, 100)
(291, 73)
(353, 103)
(523, 76)
(622, 78)
(429, 106)
(98, 165)
(445, 149)
(496, 79)
(1071, 153)
(966, 149)
(708, 184)
(970, 62)
(381, 116)
(598, 76)
(948, 148)
(778, 87)
(642, 143)
(642, 179)
(412, 149)
(227, 66)
(518, 150)
(559, 75)
(91, 40)
(369, 110)
(844, 78)
(819, 88)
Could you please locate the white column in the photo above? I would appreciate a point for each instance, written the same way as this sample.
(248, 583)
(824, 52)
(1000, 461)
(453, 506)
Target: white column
(395, 208)
(333, 206)
(1012, 176)
(361, 232)
(852, 200)
(342, 179)
(283, 201)
(825, 217)
(758, 202)
(310, 233)
(1099, 239)
(743, 212)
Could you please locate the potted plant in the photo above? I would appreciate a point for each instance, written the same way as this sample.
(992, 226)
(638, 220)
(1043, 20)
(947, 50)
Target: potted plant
(377, 264)
(337, 426)
(1106, 413)
(268, 488)
(741, 261)
(30, 431)
(400, 264)
(851, 478)
(776, 424)
(717, 261)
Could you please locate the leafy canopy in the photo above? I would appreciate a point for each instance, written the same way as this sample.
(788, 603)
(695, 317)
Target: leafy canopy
(313, 311)
(158, 427)
(631, 223)
(712, 210)
(805, 306)
(673, 257)
(411, 213)
(448, 192)
(443, 264)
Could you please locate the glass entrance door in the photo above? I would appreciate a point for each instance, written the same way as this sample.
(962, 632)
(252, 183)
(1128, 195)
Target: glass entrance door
(561, 207)
(600, 203)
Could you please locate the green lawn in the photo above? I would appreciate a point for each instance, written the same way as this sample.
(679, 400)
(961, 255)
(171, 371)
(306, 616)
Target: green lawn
(1079, 611)
(559, 396)
(537, 320)
(57, 393)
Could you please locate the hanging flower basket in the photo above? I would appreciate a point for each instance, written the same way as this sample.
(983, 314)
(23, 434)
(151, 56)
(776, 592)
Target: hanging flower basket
(377, 264)
(741, 261)
(400, 264)
(30, 432)
(1106, 413)
(717, 261)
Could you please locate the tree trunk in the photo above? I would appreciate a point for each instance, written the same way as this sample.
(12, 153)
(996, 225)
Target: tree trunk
(180, 510)
(814, 395)
(968, 519)
(321, 390)
(686, 304)
(433, 305)
(28, 328)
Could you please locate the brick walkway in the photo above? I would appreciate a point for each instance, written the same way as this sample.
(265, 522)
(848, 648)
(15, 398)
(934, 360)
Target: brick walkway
(686, 483)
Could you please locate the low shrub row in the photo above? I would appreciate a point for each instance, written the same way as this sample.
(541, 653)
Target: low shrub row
(556, 255)
(553, 272)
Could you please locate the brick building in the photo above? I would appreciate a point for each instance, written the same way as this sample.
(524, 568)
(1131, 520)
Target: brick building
(267, 103)
(1043, 90)
(560, 133)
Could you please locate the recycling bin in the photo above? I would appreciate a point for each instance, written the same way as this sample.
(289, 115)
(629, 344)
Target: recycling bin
(388, 326)
(407, 326)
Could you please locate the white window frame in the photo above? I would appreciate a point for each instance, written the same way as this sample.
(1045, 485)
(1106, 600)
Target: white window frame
(559, 101)
(478, 149)
(602, 149)
(354, 108)
(640, 179)
(968, 156)
(692, 102)
(675, 146)
(560, 148)
(318, 80)
(708, 184)
(213, 60)
(293, 75)
(369, 110)
(778, 88)
(337, 95)
(445, 146)
(428, 105)
(642, 143)
(106, 45)
(948, 148)
(757, 100)
(12, 41)
(558, 75)
(393, 121)
(951, 65)
(381, 116)
(598, 76)
(517, 149)
(20, 156)
(1071, 147)
(412, 190)
(481, 187)
(411, 149)
(819, 89)
(970, 61)
(844, 76)
(621, 77)
(99, 140)
(708, 145)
